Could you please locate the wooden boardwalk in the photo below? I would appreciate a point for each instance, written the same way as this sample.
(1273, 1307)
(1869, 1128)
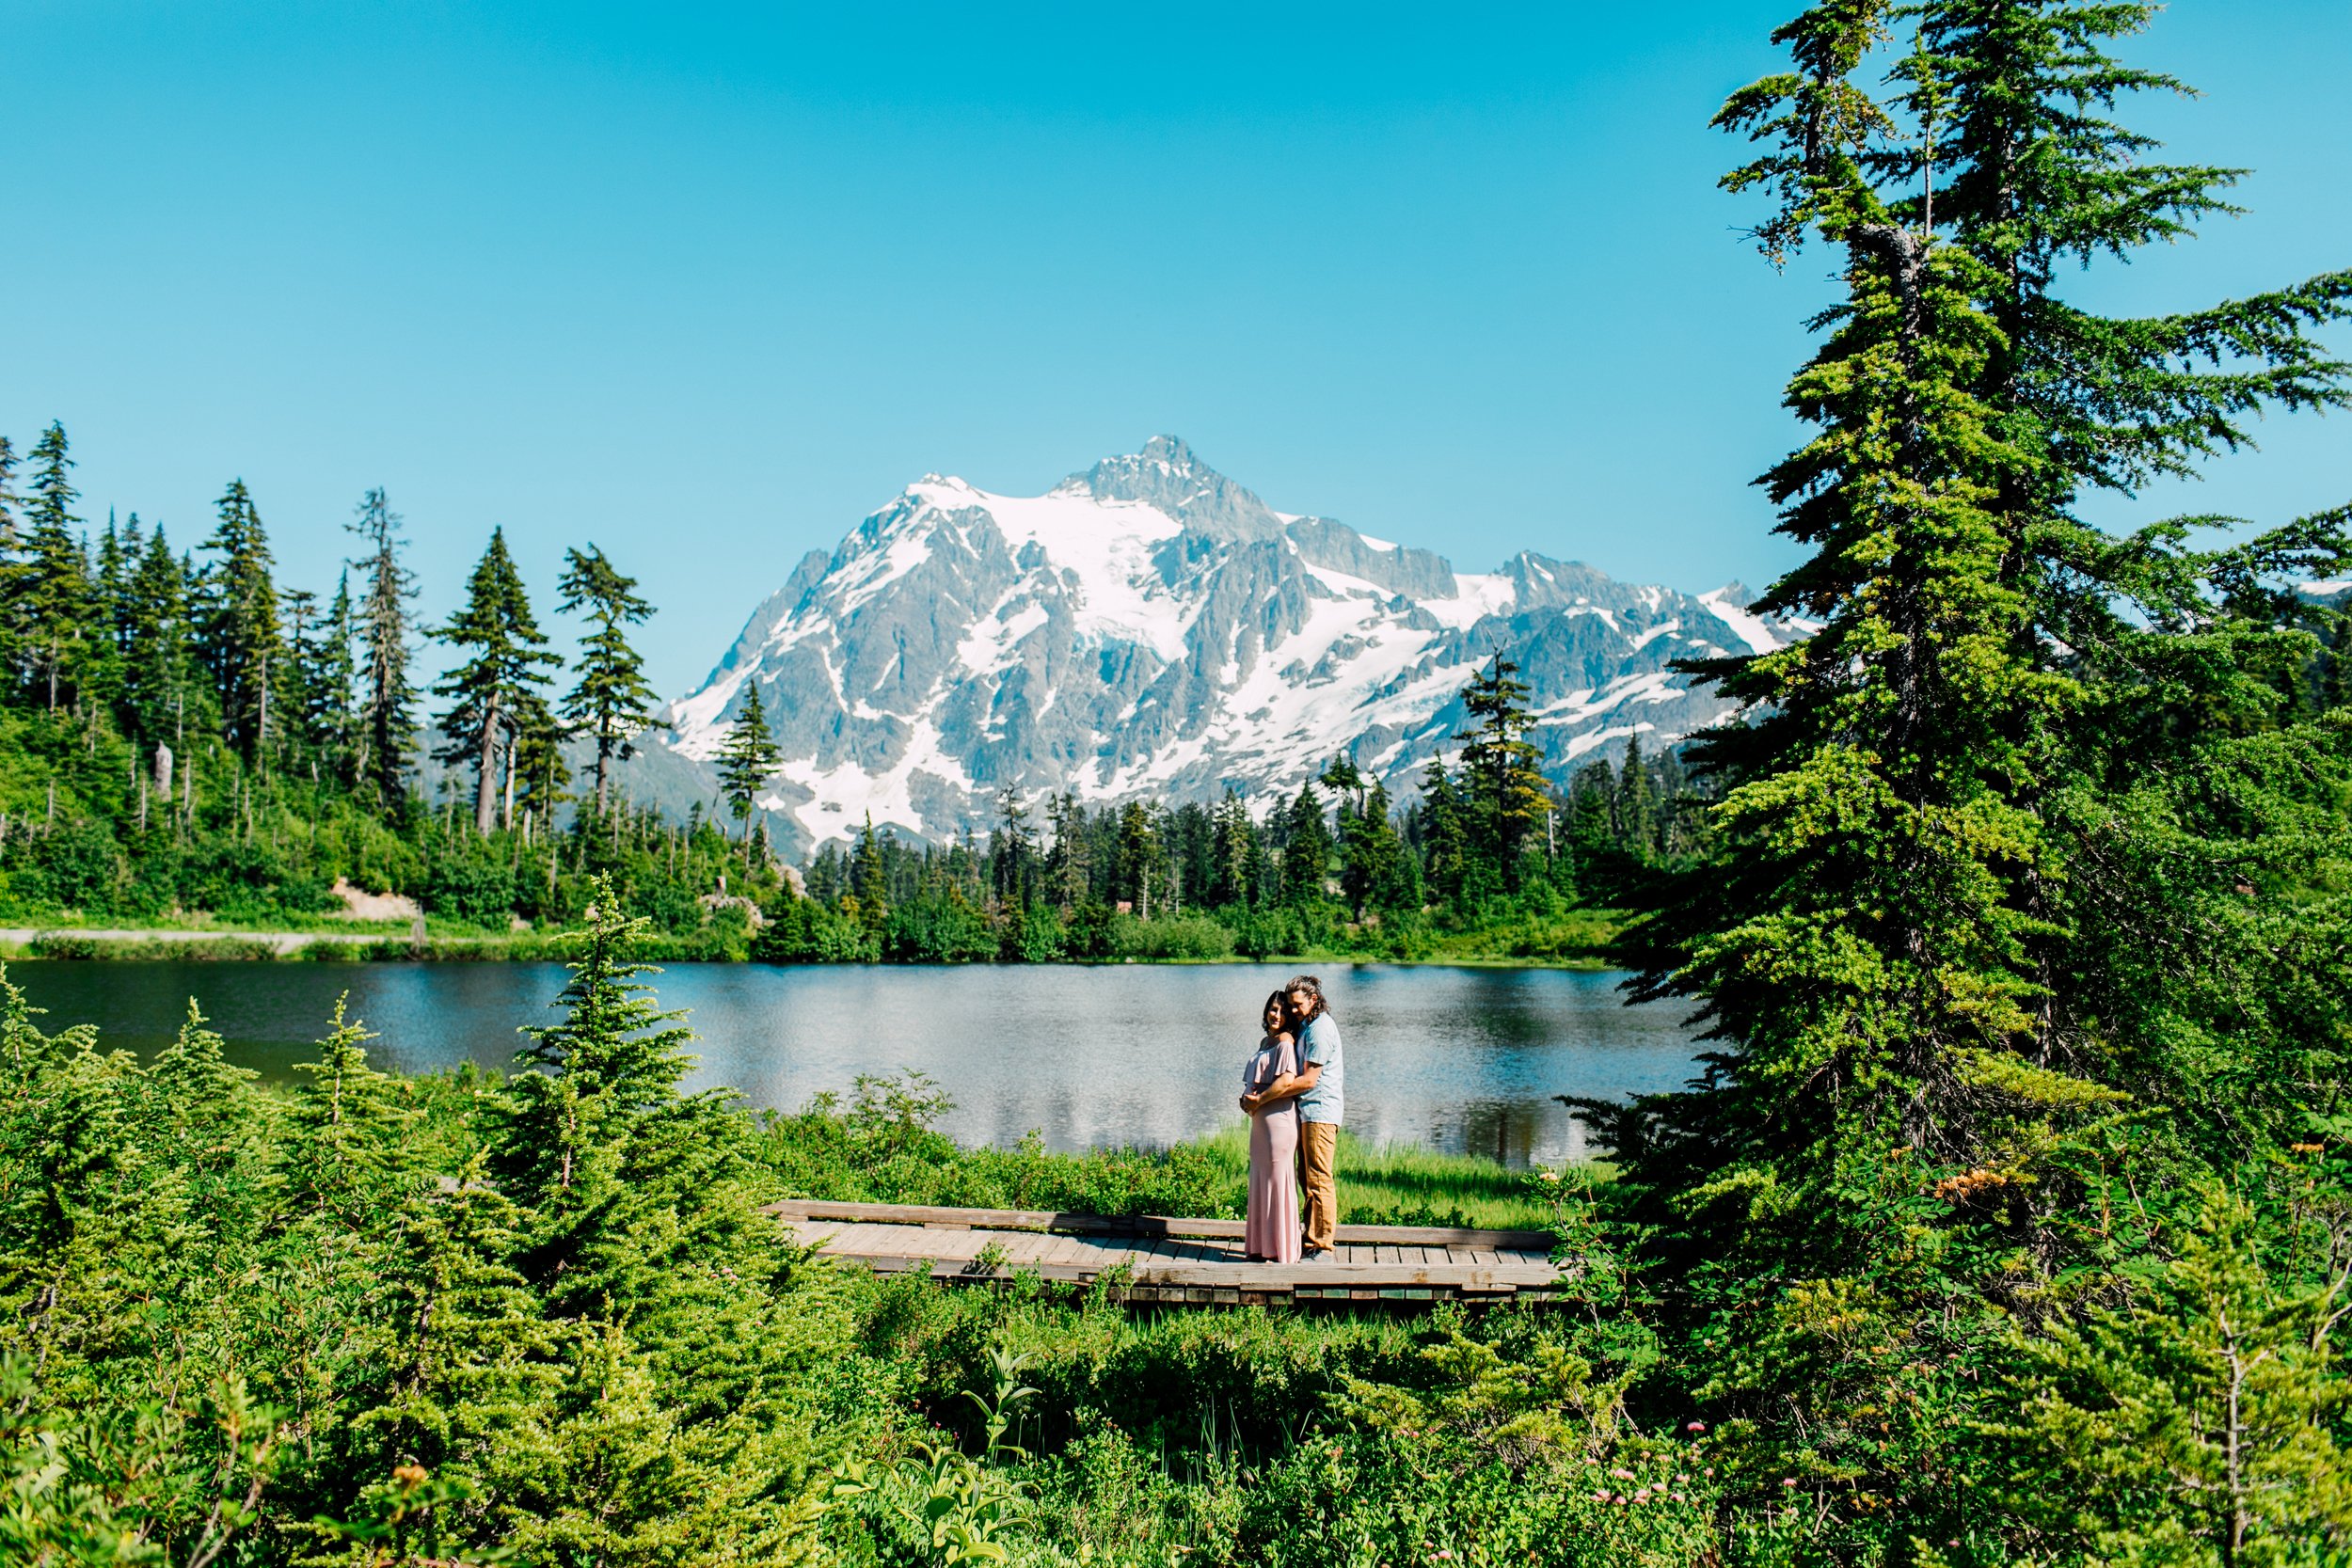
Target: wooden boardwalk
(1175, 1261)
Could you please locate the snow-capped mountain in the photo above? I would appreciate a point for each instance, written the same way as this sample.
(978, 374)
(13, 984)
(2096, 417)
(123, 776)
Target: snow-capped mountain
(1149, 627)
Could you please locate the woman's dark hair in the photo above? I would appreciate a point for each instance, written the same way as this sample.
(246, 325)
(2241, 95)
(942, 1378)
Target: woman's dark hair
(1317, 1007)
(1279, 1004)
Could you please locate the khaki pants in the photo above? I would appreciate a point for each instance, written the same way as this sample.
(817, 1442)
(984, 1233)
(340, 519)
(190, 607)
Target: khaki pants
(1318, 1149)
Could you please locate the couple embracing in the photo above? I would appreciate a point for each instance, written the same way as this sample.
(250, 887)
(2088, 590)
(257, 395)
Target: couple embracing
(1291, 1088)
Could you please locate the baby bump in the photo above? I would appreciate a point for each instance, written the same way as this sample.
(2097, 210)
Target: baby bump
(1275, 1133)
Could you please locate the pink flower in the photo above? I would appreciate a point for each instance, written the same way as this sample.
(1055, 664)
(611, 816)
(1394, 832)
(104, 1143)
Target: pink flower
(1643, 1496)
(1789, 1481)
(1621, 1475)
(1695, 1426)
(1446, 1555)
(1708, 1471)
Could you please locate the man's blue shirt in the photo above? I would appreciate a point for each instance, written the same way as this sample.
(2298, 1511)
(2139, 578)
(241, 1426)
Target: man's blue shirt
(1327, 1100)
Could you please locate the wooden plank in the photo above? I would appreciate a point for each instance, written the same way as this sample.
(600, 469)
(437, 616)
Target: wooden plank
(859, 1239)
(1147, 1225)
(1026, 1247)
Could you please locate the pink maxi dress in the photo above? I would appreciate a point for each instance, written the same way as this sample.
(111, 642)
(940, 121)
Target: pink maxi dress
(1273, 1232)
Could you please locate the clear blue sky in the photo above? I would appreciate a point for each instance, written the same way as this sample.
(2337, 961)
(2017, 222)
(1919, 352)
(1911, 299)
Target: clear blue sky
(707, 284)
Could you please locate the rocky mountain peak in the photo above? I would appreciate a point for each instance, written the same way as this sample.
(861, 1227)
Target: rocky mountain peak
(1168, 474)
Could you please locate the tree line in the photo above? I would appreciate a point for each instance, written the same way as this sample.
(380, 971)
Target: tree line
(186, 734)
(227, 744)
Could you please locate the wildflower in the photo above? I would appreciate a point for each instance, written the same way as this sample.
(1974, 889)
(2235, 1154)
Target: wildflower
(1622, 1474)
(1709, 1472)
(1789, 1481)
(1446, 1555)
(1601, 1496)
(1680, 1499)
(1695, 1426)
(1551, 1176)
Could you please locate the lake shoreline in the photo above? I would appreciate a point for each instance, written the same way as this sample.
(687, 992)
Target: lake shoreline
(199, 945)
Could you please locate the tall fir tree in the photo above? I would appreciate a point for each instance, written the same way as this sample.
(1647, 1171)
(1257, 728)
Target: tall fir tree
(387, 729)
(1956, 843)
(1012, 852)
(1232, 841)
(1306, 848)
(612, 701)
(237, 635)
(747, 758)
(335, 683)
(493, 689)
(1504, 798)
(159, 658)
(1141, 855)
(54, 594)
(11, 565)
(1445, 840)
(1637, 802)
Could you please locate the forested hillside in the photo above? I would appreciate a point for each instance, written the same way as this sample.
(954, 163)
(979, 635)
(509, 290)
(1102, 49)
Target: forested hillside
(185, 738)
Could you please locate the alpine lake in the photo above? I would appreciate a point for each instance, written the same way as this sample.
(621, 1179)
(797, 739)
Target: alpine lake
(1464, 1060)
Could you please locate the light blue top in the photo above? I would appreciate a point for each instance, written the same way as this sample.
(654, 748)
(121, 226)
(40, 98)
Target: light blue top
(1327, 1100)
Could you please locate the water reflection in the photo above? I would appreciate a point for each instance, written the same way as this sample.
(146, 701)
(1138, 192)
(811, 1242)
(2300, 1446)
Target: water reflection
(1461, 1059)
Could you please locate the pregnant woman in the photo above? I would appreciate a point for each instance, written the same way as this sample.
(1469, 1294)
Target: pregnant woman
(1272, 1235)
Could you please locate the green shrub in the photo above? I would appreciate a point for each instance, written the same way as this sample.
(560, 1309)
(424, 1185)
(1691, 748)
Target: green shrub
(1178, 936)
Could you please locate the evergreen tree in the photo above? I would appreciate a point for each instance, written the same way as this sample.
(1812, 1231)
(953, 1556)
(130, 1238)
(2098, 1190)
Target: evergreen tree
(109, 632)
(1376, 868)
(159, 659)
(1306, 849)
(611, 700)
(53, 592)
(747, 759)
(1012, 858)
(1140, 855)
(1233, 843)
(237, 638)
(334, 683)
(870, 876)
(535, 763)
(387, 718)
(300, 696)
(348, 1125)
(1637, 802)
(1368, 846)
(1960, 833)
(1069, 860)
(491, 691)
(11, 563)
(1502, 791)
(1445, 841)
